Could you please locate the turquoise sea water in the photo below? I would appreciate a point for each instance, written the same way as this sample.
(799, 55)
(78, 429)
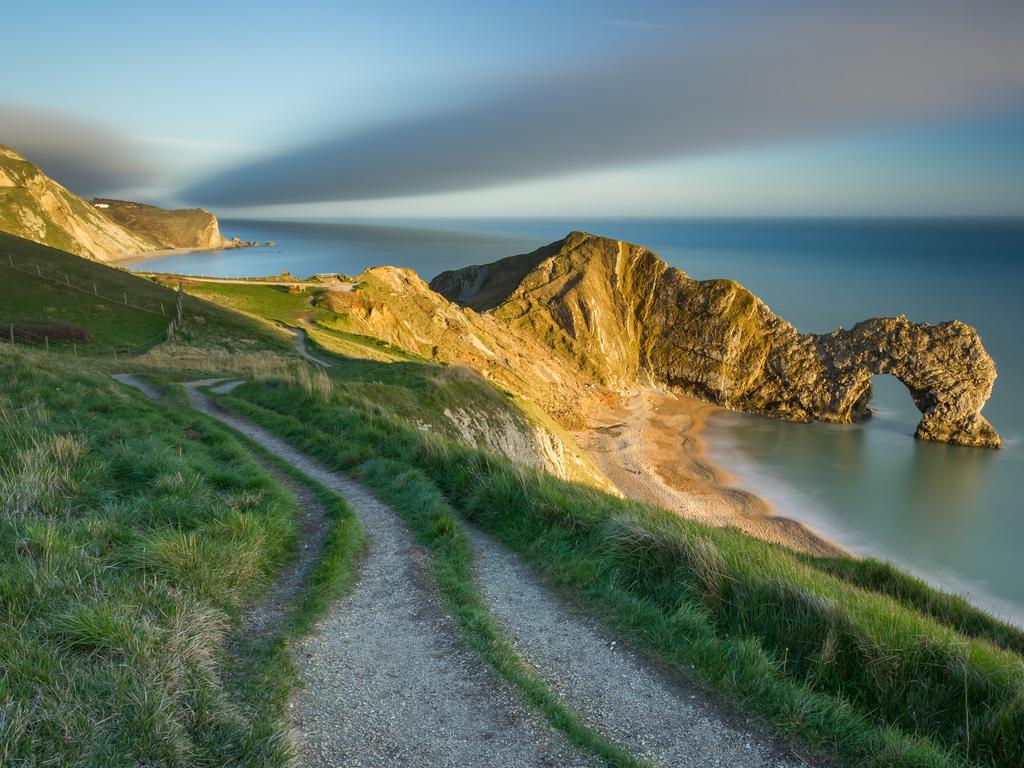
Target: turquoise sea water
(953, 515)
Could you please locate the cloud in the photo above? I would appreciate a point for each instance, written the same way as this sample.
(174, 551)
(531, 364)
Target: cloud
(770, 78)
(86, 158)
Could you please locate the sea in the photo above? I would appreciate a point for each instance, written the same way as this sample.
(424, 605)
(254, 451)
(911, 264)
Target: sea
(952, 515)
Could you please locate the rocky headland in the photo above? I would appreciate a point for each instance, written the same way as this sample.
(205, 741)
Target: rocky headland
(185, 228)
(626, 318)
(35, 207)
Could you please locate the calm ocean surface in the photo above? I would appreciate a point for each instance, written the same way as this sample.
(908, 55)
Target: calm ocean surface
(952, 515)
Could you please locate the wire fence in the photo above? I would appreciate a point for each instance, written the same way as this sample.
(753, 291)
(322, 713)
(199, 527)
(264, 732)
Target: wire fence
(15, 334)
(19, 332)
(54, 274)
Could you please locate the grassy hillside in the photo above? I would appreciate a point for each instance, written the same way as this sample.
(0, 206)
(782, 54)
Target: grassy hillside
(392, 314)
(37, 208)
(881, 669)
(46, 285)
(273, 302)
(131, 538)
(455, 401)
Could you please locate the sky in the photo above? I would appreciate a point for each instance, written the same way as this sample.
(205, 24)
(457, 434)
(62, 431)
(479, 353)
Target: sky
(403, 108)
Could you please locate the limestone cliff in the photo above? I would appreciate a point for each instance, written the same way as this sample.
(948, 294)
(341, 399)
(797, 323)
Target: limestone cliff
(624, 316)
(35, 207)
(183, 228)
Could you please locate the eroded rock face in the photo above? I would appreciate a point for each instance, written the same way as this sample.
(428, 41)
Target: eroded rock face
(945, 367)
(625, 316)
(182, 228)
(35, 207)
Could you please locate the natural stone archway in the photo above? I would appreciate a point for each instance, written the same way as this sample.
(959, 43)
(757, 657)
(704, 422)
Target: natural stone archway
(626, 317)
(732, 349)
(944, 367)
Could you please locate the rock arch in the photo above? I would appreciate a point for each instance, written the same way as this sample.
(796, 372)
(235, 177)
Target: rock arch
(944, 367)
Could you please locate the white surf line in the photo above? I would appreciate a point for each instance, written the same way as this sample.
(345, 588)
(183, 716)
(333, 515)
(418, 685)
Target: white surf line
(387, 681)
(615, 690)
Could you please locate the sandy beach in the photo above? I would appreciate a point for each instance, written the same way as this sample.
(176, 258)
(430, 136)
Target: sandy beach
(137, 258)
(649, 444)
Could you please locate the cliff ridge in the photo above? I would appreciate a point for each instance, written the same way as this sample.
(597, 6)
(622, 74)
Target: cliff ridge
(35, 207)
(625, 317)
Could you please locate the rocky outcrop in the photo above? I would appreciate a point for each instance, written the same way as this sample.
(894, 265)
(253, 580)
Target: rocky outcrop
(396, 306)
(542, 391)
(35, 207)
(624, 316)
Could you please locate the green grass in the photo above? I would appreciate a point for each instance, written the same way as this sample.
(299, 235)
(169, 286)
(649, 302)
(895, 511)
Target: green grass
(37, 288)
(273, 302)
(333, 576)
(952, 610)
(881, 673)
(113, 327)
(345, 345)
(278, 304)
(133, 536)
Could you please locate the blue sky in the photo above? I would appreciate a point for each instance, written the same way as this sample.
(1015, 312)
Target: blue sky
(463, 109)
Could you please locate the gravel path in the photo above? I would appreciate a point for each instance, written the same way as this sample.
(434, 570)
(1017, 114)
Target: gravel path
(264, 618)
(304, 353)
(615, 690)
(134, 381)
(387, 681)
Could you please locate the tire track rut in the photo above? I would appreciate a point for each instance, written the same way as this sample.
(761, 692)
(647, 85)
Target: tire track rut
(387, 682)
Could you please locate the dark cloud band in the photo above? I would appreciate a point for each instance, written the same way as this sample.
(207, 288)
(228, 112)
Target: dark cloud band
(88, 159)
(781, 78)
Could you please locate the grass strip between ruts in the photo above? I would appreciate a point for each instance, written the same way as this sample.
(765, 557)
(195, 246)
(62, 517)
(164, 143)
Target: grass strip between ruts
(424, 509)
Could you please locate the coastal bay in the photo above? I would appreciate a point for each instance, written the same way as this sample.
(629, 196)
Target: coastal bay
(856, 269)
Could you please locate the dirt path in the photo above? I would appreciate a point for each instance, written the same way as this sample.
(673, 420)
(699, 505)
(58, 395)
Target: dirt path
(264, 618)
(387, 681)
(130, 380)
(300, 346)
(615, 690)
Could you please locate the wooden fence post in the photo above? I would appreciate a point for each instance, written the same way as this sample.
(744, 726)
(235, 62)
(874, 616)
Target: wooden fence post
(94, 291)
(10, 259)
(162, 309)
(39, 271)
(46, 340)
(67, 279)
(126, 298)
(75, 347)
(12, 333)
(115, 354)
